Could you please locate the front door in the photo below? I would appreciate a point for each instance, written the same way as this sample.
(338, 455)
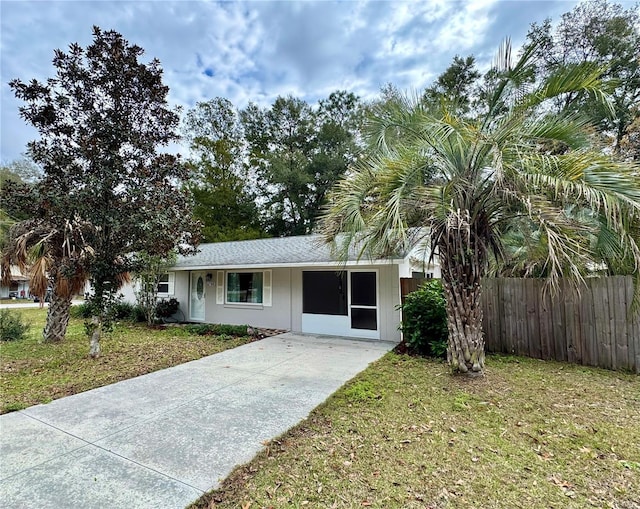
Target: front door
(197, 296)
(364, 302)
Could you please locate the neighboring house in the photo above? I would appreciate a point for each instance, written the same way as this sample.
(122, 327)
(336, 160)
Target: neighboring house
(18, 286)
(291, 283)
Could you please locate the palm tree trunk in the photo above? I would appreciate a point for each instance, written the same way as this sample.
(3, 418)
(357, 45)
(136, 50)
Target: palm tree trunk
(465, 350)
(57, 318)
(462, 259)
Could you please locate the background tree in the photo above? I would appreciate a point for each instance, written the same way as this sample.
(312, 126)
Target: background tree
(455, 84)
(17, 179)
(607, 35)
(297, 154)
(466, 180)
(101, 119)
(220, 183)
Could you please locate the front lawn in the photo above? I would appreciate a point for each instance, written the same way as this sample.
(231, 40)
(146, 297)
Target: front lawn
(34, 372)
(405, 434)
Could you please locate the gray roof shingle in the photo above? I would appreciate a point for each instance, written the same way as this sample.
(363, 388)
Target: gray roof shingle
(282, 251)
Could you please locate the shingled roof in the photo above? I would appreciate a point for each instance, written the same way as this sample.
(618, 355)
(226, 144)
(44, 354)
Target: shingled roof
(274, 252)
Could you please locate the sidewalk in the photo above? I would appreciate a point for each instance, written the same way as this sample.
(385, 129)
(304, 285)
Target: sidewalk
(163, 439)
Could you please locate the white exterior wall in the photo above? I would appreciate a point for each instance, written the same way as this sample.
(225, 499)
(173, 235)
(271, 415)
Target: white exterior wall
(128, 292)
(285, 311)
(276, 316)
(181, 292)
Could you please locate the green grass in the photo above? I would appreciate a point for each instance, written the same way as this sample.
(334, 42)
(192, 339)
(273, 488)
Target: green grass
(16, 301)
(405, 434)
(34, 372)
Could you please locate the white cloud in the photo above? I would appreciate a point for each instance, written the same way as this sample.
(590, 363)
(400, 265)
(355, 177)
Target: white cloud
(255, 51)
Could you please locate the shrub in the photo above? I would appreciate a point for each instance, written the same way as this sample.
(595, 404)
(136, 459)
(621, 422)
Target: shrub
(138, 314)
(217, 329)
(80, 311)
(424, 320)
(12, 328)
(166, 308)
(122, 311)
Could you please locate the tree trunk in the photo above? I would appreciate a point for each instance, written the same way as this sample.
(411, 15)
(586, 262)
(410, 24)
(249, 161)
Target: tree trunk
(465, 350)
(94, 341)
(462, 254)
(57, 318)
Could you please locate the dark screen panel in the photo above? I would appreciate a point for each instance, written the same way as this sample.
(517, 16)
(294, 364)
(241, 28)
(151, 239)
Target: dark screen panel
(363, 319)
(324, 293)
(363, 288)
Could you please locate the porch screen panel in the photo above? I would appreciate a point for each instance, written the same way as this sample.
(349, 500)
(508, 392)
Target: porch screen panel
(363, 318)
(363, 288)
(324, 292)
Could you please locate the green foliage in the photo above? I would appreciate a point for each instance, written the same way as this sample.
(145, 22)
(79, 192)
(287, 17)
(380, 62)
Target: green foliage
(16, 188)
(149, 270)
(138, 314)
(608, 36)
(223, 201)
(458, 181)
(455, 85)
(361, 391)
(80, 311)
(12, 327)
(166, 308)
(297, 154)
(103, 308)
(102, 121)
(122, 311)
(217, 329)
(424, 320)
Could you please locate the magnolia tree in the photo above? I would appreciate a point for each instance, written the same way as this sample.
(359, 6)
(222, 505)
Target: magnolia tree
(102, 119)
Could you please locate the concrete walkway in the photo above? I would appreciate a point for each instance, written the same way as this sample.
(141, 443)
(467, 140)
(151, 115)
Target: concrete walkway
(162, 439)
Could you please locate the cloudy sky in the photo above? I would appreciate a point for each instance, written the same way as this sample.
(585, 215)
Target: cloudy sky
(255, 51)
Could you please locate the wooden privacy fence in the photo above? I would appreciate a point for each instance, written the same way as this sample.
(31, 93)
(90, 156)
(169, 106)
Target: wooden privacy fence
(592, 326)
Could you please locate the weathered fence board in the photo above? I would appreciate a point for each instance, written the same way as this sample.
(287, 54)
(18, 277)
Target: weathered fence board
(593, 325)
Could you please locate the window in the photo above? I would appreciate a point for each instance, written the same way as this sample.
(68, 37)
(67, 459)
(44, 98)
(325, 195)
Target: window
(324, 293)
(166, 284)
(245, 287)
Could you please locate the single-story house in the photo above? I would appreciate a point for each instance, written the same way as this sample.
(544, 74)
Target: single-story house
(18, 285)
(292, 283)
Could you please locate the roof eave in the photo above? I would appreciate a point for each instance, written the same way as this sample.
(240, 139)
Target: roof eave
(349, 263)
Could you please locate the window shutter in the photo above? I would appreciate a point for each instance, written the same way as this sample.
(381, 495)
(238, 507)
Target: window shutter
(266, 288)
(171, 283)
(220, 288)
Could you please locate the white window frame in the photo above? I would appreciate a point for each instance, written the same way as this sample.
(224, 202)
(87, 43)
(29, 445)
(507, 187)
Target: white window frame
(171, 284)
(222, 282)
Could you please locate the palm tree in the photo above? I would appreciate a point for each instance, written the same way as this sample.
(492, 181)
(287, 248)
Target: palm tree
(467, 180)
(54, 258)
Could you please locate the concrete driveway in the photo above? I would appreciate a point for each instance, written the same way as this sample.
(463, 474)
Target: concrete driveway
(162, 439)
